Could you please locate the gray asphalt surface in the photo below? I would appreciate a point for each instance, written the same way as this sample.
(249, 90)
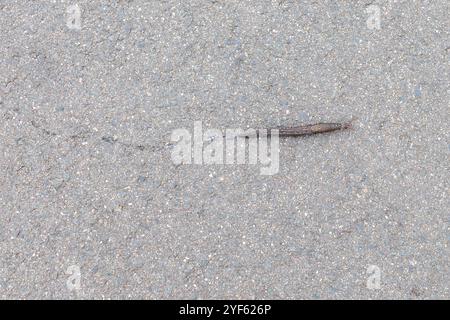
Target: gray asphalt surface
(87, 179)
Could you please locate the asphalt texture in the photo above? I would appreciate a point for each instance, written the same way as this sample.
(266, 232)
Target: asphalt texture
(93, 207)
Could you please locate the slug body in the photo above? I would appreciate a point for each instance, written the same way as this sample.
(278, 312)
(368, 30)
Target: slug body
(305, 130)
(312, 129)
